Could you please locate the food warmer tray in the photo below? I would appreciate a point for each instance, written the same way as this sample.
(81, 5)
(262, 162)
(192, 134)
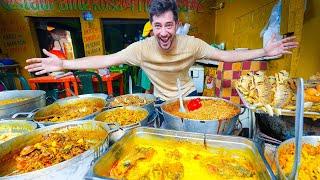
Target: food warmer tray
(284, 112)
(74, 168)
(209, 140)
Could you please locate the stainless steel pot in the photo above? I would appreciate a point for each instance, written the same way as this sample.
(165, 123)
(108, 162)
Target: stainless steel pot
(149, 106)
(74, 168)
(17, 127)
(67, 100)
(225, 126)
(153, 121)
(142, 122)
(115, 136)
(37, 100)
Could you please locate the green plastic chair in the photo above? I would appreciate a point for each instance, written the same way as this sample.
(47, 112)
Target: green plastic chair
(52, 96)
(137, 87)
(85, 78)
(126, 71)
(9, 81)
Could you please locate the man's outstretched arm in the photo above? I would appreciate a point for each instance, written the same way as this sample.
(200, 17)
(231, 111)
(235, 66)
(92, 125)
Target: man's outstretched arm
(273, 48)
(53, 63)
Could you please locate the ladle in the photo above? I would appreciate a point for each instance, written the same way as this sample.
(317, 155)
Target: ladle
(181, 109)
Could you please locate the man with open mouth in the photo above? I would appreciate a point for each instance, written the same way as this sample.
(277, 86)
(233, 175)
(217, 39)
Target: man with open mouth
(165, 56)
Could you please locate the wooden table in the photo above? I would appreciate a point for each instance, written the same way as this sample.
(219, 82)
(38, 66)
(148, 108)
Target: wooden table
(72, 80)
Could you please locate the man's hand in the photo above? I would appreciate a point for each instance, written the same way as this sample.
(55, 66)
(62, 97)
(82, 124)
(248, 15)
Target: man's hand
(275, 48)
(45, 65)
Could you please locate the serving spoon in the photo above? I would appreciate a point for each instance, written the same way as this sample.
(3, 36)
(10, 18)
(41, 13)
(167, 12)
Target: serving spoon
(181, 109)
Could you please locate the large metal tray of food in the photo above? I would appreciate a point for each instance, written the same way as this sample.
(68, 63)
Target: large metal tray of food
(62, 151)
(15, 101)
(278, 111)
(166, 154)
(75, 108)
(275, 95)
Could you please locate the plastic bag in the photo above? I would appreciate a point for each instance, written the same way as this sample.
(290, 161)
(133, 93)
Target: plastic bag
(273, 25)
(183, 30)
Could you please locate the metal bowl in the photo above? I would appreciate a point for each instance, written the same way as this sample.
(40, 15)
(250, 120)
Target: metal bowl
(72, 100)
(313, 140)
(142, 122)
(224, 126)
(115, 136)
(74, 168)
(17, 127)
(37, 100)
(149, 106)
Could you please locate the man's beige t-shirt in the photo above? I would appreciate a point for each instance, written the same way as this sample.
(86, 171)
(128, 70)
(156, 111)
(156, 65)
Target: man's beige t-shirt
(163, 68)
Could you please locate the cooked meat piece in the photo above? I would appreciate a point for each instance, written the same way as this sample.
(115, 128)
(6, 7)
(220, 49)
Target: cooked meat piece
(53, 148)
(173, 170)
(175, 154)
(27, 150)
(121, 167)
(156, 172)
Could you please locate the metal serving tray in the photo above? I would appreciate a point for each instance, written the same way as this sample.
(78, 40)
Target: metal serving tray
(283, 112)
(211, 141)
(74, 168)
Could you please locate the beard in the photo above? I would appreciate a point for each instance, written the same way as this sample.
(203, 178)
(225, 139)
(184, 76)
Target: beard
(165, 43)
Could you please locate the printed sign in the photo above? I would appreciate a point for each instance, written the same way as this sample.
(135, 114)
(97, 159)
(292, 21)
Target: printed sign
(94, 5)
(92, 38)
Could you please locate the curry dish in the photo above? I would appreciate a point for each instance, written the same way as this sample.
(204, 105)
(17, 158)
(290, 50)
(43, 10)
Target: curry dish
(130, 100)
(158, 158)
(210, 110)
(70, 111)
(11, 101)
(123, 116)
(310, 160)
(50, 149)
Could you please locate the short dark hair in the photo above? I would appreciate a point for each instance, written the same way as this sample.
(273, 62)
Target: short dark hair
(158, 7)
